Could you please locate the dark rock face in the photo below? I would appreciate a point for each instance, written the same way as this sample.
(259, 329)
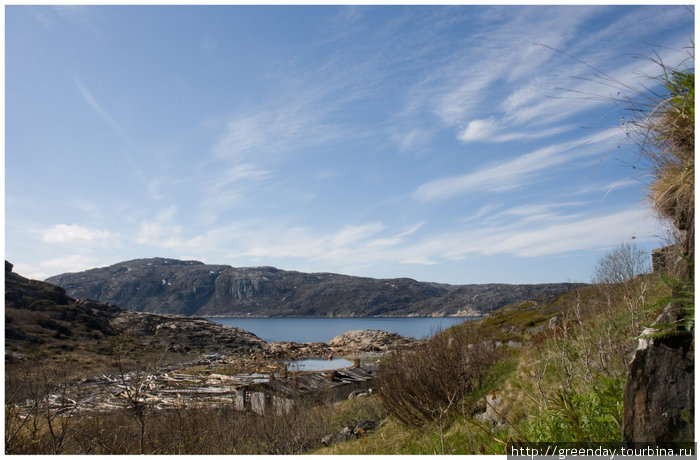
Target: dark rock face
(659, 392)
(192, 288)
(146, 285)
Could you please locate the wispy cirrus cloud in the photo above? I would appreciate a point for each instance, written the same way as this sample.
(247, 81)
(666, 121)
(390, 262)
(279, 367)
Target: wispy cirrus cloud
(524, 234)
(511, 83)
(516, 172)
(578, 234)
(526, 231)
(98, 109)
(490, 130)
(491, 57)
(75, 13)
(544, 229)
(163, 232)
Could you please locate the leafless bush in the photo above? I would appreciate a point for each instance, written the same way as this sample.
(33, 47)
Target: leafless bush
(619, 275)
(39, 412)
(422, 384)
(194, 428)
(135, 391)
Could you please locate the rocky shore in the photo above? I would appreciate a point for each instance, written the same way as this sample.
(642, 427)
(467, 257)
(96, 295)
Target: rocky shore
(366, 342)
(105, 356)
(214, 379)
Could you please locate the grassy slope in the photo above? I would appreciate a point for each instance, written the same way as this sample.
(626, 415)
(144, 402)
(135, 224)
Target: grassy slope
(561, 383)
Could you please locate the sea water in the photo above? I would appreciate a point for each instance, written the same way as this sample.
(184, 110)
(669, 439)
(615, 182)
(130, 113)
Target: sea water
(325, 329)
(315, 364)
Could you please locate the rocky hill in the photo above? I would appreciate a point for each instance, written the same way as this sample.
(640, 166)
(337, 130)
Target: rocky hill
(161, 285)
(41, 319)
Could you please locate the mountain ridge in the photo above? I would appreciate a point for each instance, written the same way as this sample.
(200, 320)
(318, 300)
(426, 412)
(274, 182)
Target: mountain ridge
(189, 287)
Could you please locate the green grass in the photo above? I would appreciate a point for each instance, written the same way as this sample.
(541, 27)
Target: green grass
(561, 385)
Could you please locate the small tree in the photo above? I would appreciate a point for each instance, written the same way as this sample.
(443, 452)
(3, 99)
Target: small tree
(135, 385)
(618, 275)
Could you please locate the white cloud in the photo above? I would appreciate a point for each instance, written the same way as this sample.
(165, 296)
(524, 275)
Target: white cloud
(353, 233)
(231, 187)
(75, 13)
(159, 235)
(412, 229)
(609, 188)
(456, 104)
(281, 127)
(478, 130)
(30, 271)
(69, 264)
(350, 245)
(581, 234)
(62, 233)
(515, 85)
(516, 172)
(521, 235)
(411, 139)
(162, 232)
(523, 231)
(487, 131)
(481, 212)
(480, 72)
(418, 261)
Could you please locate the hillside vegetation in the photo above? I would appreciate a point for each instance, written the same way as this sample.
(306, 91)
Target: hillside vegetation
(532, 371)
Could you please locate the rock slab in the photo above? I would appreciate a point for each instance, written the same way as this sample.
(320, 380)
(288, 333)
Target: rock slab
(659, 393)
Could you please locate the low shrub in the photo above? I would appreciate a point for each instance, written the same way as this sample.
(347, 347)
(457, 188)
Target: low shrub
(422, 384)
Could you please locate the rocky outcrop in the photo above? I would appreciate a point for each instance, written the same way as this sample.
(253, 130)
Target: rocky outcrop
(42, 317)
(370, 340)
(367, 341)
(360, 430)
(183, 333)
(660, 389)
(192, 288)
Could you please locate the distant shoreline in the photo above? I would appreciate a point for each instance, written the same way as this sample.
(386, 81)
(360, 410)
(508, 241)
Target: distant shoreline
(339, 317)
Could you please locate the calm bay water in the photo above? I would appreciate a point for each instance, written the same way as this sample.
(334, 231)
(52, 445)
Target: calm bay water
(324, 329)
(318, 364)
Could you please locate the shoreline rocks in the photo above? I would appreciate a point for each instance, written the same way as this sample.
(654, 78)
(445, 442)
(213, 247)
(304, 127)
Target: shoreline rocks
(364, 342)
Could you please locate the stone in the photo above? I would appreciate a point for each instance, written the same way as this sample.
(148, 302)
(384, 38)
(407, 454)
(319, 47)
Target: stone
(492, 403)
(370, 340)
(366, 425)
(537, 329)
(555, 322)
(345, 434)
(359, 394)
(659, 392)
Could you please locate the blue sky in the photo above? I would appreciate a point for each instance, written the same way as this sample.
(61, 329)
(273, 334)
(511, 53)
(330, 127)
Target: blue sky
(462, 144)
